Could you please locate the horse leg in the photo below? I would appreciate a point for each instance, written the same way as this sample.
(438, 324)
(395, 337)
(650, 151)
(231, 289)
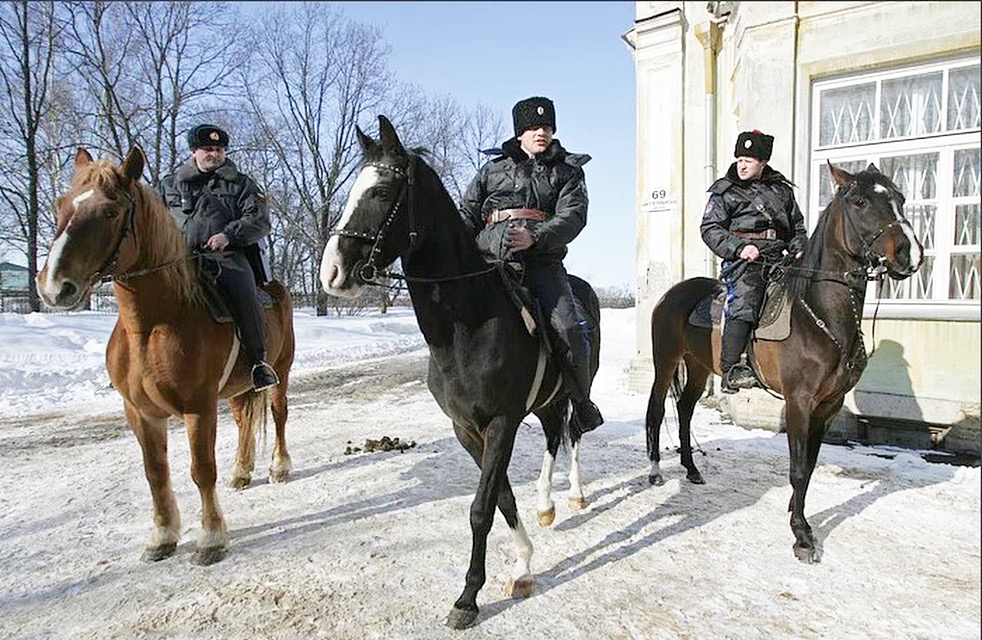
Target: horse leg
(151, 433)
(493, 455)
(201, 428)
(245, 451)
(279, 470)
(545, 507)
(575, 501)
(695, 386)
(521, 581)
(664, 369)
(798, 422)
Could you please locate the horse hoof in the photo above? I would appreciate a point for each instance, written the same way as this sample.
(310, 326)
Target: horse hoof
(278, 477)
(695, 478)
(520, 588)
(239, 483)
(577, 504)
(546, 518)
(205, 557)
(807, 555)
(461, 618)
(656, 480)
(155, 554)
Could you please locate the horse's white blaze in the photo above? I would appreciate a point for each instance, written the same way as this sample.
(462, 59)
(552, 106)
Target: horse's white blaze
(332, 273)
(523, 551)
(82, 197)
(51, 286)
(543, 485)
(898, 214)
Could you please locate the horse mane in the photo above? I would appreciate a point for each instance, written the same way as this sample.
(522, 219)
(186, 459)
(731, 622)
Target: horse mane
(163, 243)
(160, 240)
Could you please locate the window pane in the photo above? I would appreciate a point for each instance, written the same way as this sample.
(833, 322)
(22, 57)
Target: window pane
(964, 277)
(916, 176)
(847, 114)
(911, 106)
(967, 224)
(963, 98)
(966, 173)
(826, 188)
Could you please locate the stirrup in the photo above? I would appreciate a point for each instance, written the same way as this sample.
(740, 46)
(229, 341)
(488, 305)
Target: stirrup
(263, 377)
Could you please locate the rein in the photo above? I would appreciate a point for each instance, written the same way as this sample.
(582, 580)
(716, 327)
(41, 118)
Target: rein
(369, 272)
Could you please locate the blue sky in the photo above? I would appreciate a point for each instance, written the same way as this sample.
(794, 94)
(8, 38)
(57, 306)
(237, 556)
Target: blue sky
(497, 53)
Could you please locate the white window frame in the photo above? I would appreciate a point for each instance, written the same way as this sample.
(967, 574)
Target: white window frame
(944, 144)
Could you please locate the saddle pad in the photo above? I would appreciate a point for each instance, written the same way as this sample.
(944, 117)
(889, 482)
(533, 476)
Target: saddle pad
(775, 315)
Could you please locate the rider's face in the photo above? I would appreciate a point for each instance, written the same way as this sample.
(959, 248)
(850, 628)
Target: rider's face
(535, 141)
(208, 158)
(750, 168)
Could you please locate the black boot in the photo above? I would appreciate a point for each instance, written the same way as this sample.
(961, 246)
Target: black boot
(586, 415)
(263, 376)
(736, 375)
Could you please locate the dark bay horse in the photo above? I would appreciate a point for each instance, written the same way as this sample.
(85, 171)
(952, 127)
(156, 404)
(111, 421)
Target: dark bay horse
(486, 371)
(862, 233)
(166, 356)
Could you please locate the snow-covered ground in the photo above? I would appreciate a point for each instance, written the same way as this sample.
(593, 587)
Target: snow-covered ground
(376, 545)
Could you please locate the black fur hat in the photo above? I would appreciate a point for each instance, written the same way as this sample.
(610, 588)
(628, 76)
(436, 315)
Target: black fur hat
(532, 113)
(207, 135)
(754, 144)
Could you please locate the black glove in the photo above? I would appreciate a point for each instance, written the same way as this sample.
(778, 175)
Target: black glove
(796, 246)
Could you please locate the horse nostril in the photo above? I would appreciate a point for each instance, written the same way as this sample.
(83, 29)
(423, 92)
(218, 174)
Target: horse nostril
(68, 290)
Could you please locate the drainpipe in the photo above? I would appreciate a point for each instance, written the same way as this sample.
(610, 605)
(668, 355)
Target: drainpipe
(709, 35)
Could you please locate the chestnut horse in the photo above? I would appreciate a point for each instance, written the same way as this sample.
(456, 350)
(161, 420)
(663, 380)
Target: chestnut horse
(861, 234)
(166, 356)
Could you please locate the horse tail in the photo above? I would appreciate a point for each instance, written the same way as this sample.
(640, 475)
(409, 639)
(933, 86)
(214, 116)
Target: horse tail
(254, 415)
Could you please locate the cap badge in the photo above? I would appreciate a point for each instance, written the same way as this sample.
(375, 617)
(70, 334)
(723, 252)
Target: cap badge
(214, 136)
(747, 144)
(540, 111)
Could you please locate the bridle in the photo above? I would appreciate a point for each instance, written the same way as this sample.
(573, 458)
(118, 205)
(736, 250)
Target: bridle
(107, 272)
(368, 271)
(104, 273)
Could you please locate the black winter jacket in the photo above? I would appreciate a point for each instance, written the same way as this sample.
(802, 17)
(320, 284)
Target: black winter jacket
(754, 205)
(552, 182)
(222, 201)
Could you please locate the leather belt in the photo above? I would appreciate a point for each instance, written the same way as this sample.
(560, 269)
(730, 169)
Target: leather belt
(500, 215)
(766, 234)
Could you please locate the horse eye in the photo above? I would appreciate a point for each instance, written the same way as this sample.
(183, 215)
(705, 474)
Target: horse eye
(859, 202)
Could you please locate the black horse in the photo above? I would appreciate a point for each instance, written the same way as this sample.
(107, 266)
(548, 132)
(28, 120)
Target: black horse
(861, 234)
(486, 371)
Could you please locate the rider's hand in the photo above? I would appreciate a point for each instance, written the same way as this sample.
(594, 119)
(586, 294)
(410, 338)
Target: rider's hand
(750, 252)
(217, 242)
(797, 247)
(518, 238)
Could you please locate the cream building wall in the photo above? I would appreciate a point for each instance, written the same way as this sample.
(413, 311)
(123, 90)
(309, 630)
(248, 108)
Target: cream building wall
(705, 72)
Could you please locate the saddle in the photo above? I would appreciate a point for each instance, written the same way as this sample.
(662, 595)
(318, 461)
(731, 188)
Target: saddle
(775, 316)
(214, 301)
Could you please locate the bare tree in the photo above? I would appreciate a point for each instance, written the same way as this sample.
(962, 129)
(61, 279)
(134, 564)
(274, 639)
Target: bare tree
(316, 75)
(28, 32)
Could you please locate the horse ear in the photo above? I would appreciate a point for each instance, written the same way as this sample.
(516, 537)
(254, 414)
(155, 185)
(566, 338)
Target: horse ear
(132, 168)
(390, 141)
(840, 177)
(82, 157)
(872, 168)
(365, 141)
